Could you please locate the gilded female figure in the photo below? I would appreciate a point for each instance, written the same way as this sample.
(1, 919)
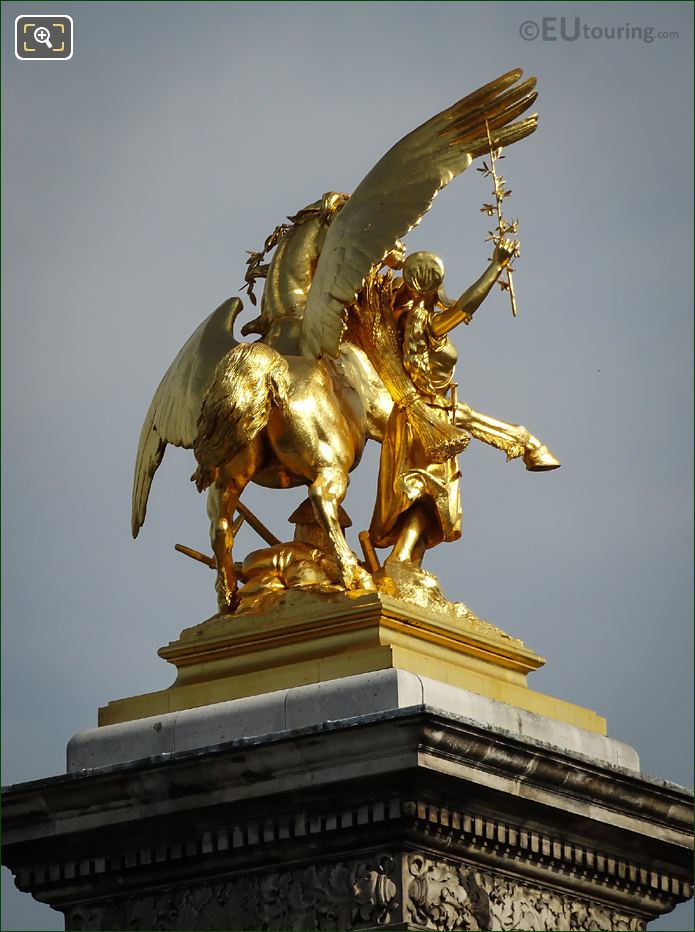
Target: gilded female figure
(418, 502)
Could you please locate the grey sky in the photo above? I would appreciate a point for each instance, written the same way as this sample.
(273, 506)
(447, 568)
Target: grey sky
(135, 177)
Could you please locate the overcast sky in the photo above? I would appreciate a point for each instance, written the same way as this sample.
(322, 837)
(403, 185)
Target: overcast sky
(135, 177)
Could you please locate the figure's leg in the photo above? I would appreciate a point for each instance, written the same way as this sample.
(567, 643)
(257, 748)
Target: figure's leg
(419, 550)
(410, 544)
(513, 439)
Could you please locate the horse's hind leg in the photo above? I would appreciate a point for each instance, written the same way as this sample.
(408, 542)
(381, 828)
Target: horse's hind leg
(221, 505)
(223, 496)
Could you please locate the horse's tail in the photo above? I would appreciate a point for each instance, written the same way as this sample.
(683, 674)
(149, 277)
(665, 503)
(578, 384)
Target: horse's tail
(248, 381)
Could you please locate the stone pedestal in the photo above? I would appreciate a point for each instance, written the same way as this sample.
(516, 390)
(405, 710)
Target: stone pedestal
(380, 800)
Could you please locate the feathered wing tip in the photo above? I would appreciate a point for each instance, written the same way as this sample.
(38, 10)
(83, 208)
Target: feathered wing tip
(174, 409)
(393, 197)
(463, 123)
(504, 137)
(150, 454)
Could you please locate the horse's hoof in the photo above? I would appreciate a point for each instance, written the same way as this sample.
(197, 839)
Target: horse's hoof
(362, 579)
(228, 602)
(348, 573)
(540, 459)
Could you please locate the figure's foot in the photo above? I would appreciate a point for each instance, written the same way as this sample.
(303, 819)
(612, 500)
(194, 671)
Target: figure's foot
(405, 580)
(539, 458)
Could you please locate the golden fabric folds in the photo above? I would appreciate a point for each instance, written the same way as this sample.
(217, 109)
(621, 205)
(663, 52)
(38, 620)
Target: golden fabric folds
(406, 476)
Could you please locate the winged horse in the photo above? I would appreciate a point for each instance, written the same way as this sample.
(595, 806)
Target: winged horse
(297, 406)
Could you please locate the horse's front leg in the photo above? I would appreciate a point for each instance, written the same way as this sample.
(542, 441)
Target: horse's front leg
(327, 493)
(514, 439)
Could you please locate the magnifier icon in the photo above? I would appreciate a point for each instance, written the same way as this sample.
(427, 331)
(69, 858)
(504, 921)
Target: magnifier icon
(43, 35)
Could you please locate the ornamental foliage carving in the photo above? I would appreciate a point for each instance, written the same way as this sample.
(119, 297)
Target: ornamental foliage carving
(324, 896)
(447, 896)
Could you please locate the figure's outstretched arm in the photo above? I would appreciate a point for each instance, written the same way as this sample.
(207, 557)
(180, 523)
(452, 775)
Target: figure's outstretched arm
(471, 299)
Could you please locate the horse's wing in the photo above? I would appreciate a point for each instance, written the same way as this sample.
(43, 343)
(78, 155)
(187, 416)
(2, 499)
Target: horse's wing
(399, 190)
(173, 413)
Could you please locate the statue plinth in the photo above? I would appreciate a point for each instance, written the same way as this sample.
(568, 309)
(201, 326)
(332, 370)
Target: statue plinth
(309, 638)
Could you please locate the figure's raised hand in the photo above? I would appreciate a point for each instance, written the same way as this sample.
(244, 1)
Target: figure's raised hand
(505, 251)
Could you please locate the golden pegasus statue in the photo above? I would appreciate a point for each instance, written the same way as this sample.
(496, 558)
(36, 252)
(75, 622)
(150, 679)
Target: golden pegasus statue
(347, 352)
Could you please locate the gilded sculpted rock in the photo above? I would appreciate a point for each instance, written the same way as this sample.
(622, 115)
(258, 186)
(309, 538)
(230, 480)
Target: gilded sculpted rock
(351, 344)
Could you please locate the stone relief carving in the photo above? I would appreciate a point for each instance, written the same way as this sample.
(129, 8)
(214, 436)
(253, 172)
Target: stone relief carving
(447, 896)
(438, 894)
(436, 897)
(325, 896)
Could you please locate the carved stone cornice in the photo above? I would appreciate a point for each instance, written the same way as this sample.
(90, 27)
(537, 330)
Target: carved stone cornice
(546, 857)
(409, 782)
(492, 764)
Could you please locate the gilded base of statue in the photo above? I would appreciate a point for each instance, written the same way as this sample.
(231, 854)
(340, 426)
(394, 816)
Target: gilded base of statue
(306, 637)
